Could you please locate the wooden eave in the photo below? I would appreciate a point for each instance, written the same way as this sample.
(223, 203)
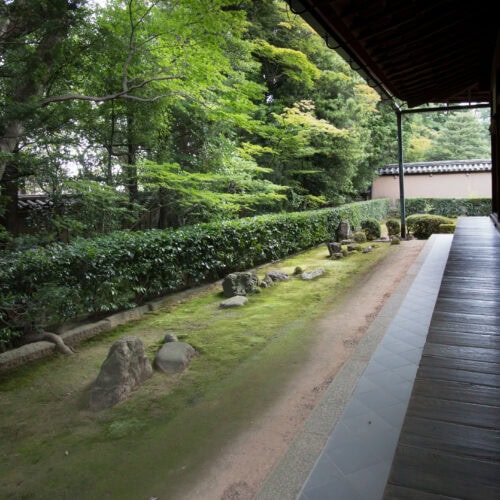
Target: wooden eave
(417, 51)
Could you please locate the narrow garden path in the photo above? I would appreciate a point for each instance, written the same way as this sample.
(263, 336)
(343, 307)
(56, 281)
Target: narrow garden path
(242, 466)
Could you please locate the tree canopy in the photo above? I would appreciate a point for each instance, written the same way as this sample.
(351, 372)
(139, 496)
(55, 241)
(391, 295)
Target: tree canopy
(152, 113)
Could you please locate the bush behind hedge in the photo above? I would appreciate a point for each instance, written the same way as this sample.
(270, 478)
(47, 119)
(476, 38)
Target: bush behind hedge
(424, 225)
(121, 270)
(372, 228)
(449, 207)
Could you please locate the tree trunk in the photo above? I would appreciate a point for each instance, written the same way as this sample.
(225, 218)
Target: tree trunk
(9, 140)
(9, 190)
(131, 168)
(163, 219)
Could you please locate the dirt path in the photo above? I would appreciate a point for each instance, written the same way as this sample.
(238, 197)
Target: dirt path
(242, 466)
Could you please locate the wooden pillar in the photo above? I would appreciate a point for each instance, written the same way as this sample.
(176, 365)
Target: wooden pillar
(402, 203)
(494, 129)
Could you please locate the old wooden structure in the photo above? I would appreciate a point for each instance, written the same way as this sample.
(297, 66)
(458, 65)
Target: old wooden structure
(446, 54)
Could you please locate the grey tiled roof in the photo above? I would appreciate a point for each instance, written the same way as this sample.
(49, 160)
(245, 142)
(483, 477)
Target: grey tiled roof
(438, 167)
(33, 201)
(39, 201)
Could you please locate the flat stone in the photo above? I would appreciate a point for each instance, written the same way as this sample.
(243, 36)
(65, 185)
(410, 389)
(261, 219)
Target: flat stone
(313, 274)
(276, 275)
(237, 301)
(173, 357)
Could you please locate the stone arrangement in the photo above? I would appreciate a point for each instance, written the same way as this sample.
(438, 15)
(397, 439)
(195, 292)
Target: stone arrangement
(125, 368)
(174, 357)
(243, 283)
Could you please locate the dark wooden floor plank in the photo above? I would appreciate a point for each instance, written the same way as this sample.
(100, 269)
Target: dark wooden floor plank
(460, 352)
(466, 339)
(449, 445)
(466, 318)
(457, 391)
(457, 412)
(394, 492)
(452, 374)
(467, 327)
(445, 474)
(476, 442)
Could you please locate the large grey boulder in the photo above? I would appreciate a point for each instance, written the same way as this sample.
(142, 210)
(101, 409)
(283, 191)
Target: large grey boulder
(173, 357)
(344, 231)
(244, 283)
(125, 368)
(333, 248)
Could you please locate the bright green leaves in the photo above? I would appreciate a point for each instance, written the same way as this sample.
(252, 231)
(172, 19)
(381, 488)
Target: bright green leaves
(281, 62)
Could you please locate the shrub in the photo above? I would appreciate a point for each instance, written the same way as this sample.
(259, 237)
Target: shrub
(424, 225)
(393, 227)
(359, 237)
(122, 269)
(449, 207)
(372, 229)
(395, 240)
(447, 228)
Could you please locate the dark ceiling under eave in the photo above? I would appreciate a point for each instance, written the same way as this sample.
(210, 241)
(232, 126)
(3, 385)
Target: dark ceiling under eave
(419, 51)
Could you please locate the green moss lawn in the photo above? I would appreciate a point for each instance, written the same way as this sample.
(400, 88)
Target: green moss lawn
(52, 446)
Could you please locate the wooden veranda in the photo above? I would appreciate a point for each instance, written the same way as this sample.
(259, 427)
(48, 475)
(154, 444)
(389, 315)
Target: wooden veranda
(449, 445)
(441, 53)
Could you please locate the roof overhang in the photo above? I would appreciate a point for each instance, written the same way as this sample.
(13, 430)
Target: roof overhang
(420, 52)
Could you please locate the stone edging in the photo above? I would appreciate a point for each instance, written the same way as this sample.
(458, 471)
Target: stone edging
(38, 350)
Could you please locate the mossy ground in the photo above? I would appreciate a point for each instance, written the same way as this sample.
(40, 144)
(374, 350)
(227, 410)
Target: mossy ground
(156, 442)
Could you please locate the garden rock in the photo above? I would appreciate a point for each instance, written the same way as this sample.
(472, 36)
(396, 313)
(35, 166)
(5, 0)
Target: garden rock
(125, 368)
(367, 249)
(266, 282)
(170, 337)
(353, 247)
(277, 275)
(338, 255)
(344, 231)
(243, 283)
(333, 248)
(173, 357)
(236, 301)
(313, 274)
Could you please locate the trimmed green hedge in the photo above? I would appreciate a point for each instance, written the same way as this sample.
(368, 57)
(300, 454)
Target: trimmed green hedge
(372, 228)
(393, 227)
(447, 228)
(424, 225)
(449, 207)
(48, 285)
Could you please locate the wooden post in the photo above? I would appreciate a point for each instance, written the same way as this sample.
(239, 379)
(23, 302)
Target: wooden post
(399, 116)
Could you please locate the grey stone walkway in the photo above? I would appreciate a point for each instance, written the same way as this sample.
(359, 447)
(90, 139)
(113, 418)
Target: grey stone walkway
(361, 414)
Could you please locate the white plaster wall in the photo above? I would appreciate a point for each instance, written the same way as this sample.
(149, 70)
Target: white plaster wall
(456, 185)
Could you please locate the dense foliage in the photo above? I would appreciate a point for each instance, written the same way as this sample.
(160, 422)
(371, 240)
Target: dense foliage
(393, 227)
(449, 207)
(137, 114)
(48, 285)
(372, 228)
(422, 226)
